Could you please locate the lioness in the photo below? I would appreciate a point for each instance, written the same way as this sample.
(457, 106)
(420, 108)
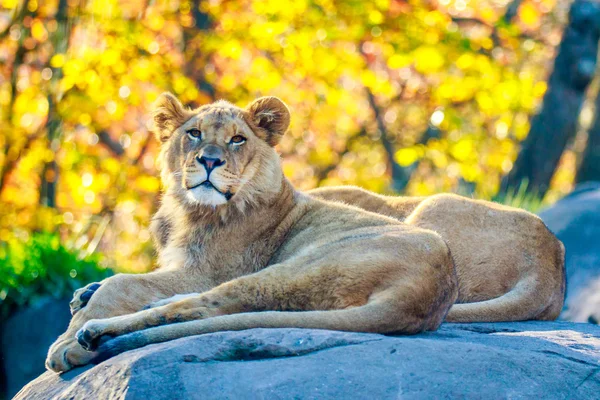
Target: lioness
(257, 252)
(510, 267)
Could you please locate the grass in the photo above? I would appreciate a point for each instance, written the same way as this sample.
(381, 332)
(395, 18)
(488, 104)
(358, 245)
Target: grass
(42, 266)
(520, 198)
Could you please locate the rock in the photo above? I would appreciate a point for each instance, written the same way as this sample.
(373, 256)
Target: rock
(575, 220)
(516, 360)
(26, 337)
(482, 360)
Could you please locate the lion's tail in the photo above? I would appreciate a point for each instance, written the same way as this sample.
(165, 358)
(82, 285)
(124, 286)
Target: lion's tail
(531, 298)
(367, 318)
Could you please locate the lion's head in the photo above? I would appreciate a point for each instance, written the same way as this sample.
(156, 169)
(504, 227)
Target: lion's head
(220, 153)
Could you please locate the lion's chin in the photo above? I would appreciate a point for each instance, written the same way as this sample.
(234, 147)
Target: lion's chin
(206, 195)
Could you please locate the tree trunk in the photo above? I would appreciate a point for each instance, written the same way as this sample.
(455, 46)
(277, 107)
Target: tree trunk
(50, 171)
(8, 163)
(556, 123)
(400, 176)
(589, 169)
(192, 54)
(60, 43)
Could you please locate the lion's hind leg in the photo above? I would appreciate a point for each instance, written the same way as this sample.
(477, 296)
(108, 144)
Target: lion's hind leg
(539, 295)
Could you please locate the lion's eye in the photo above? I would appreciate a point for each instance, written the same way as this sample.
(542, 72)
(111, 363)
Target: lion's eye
(237, 139)
(195, 133)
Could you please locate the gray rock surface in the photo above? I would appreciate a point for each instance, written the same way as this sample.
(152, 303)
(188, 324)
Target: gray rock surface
(559, 360)
(508, 360)
(575, 220)
(26, 337)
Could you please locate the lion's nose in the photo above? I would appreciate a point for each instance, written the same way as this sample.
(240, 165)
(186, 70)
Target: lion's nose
(210, 163)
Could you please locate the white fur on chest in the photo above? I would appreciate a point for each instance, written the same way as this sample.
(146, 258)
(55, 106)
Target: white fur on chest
(172, 257)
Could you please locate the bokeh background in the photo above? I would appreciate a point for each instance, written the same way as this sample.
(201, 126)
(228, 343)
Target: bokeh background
(493, 99)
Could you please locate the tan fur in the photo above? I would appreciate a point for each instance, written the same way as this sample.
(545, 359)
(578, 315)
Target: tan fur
(258, 252)
(510, 267)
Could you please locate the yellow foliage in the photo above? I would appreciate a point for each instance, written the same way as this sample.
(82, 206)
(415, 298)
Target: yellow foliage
(407, 156)
(463, 149)
(57, 60)
(320, 57)
(428, 59)
(149, 184)
(529, 15)
(38, 32)
(10, 4)
(399, 61)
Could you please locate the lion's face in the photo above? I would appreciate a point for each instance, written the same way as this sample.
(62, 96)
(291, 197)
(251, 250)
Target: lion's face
(212, 153)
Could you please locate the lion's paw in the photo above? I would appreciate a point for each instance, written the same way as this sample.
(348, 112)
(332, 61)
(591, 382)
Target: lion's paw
(82, 296)
(90, 336)
(67, 354)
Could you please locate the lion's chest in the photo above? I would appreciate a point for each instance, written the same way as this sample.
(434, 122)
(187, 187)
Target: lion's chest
(216, 259)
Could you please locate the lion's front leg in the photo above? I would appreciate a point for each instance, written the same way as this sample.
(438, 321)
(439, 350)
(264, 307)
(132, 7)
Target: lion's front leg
(179, 308)
(117, 295)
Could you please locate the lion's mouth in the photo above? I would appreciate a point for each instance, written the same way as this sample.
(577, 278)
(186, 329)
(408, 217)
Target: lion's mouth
(209, 185)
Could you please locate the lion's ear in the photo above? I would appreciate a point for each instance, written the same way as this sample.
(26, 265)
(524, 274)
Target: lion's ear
(168, 114)
(269, 117)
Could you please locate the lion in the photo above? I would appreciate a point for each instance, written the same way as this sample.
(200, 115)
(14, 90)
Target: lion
(245, 249)
(510, 266)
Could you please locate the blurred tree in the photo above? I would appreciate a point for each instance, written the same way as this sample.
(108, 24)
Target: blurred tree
(59, 45)
(401, 175)
(555, 125)
(13, 145)
(195, 25)
(589, 169)
(417, 96)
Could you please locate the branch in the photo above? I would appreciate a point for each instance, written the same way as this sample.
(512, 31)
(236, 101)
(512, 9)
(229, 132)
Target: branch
(10, 165)
(322, 173)
(202, 23)
(17, 16)
(400, 176)
(506, 19)
(511, 11)
(60, 44)
(144, 148)
(108, 210)
(115, 147)
(509, 14)
(471, 20)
